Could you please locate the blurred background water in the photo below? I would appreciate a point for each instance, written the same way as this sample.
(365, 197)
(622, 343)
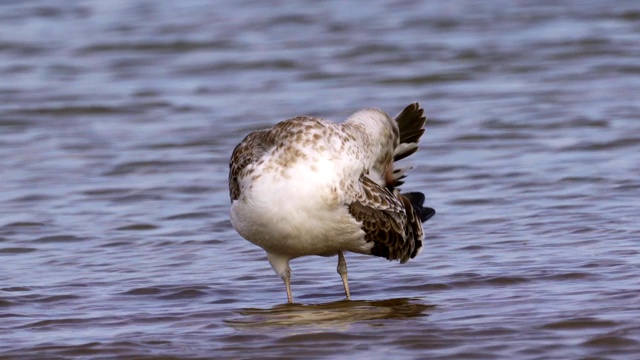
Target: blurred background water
(117, 119)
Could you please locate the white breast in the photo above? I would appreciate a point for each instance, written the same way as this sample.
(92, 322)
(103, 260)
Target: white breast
(287, 210)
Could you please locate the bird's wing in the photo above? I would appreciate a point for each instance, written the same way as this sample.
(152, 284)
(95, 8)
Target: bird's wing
(249, 151)
(388, 221)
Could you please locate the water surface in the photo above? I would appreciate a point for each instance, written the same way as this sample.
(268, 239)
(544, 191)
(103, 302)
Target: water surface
(117, 120)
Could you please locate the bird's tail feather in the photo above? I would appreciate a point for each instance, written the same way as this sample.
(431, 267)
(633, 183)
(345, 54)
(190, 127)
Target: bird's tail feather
(410, 122)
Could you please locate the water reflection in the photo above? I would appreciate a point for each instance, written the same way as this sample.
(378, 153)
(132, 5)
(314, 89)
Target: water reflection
(330, 315)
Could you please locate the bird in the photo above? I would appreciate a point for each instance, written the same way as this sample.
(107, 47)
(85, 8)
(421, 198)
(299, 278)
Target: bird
(311, 186)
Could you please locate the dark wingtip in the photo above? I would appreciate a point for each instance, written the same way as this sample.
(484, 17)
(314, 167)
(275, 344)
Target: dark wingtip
(417, 199)
(427, 213)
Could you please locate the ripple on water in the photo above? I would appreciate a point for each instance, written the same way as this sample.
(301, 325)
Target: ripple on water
(55, 323)
(189, 216)
(145, 167)
(32, 198)
(179, 46)
(169, 292)
(72, 111)
(116, 131)
(580, 324)
(137, 227)
(58, 239)
(16, 250)
(611, 342)
(480, 280)
(143, 291)
(619, 143)
(22, 224)
(42, 298)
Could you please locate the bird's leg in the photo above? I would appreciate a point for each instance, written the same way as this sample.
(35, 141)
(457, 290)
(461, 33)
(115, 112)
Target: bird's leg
(287, 283)
(342, 270)
(280, 265)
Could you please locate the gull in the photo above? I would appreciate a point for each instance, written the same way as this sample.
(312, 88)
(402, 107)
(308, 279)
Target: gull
(310, 186)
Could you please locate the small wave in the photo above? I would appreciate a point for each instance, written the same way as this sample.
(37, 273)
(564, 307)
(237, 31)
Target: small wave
(611, 342)
(168, 292)
(492, 137)
(15, 123)
(491, 281)
(630, 15)
(624, 142)
(479, 201)
(107, 191)
(184, 294)
(569, 276)
(118, 243)
(180, 145)
(143, 291)
(73, 110)
(22, 48)
(426, 79)
(579, 122)
(282, 64)
(189, 215)
(54, 323)
(58, 239)
(31, 198)
(580, 323)
(179, 46)
(16, 250)
(54, 298)
(370, 49)
(137, 227)
(143, 167)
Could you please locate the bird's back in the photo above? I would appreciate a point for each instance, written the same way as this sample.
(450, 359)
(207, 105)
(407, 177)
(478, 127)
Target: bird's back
(304, 150)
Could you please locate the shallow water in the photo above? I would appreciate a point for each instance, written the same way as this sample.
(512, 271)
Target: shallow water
(117, 120)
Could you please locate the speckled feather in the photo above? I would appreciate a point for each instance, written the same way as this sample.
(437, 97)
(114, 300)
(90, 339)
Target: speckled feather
(387, 220)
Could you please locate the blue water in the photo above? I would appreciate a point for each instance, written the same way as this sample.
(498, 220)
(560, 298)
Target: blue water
(117, 120)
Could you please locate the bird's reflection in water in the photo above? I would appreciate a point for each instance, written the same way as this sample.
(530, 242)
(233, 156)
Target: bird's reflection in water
(334, 314)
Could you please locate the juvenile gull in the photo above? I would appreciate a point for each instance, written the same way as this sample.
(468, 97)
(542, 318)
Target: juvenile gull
(309, 186)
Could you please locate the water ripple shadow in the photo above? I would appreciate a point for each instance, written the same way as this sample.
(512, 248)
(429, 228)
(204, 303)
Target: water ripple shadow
(333, 314)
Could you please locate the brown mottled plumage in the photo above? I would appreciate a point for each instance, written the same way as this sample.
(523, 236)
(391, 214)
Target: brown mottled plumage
(386, 221)
(309, 186)
(245, 154)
